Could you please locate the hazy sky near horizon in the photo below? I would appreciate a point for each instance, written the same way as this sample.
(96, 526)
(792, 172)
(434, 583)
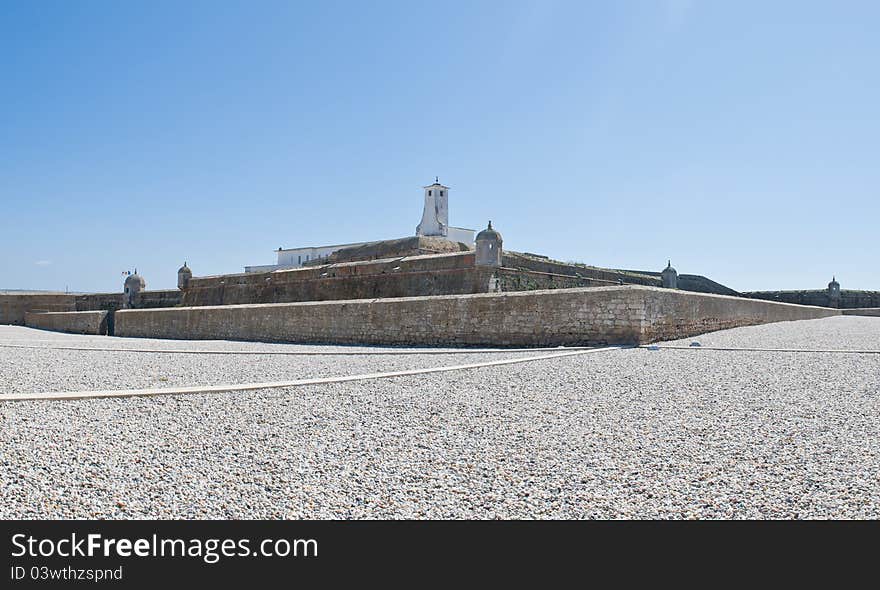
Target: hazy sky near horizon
(738, 139)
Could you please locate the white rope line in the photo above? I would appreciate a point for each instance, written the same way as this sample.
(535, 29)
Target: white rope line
(402, 352)
(750, 349)
(114, 393)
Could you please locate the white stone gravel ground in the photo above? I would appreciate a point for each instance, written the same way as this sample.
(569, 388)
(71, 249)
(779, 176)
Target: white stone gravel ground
(48, 369)
(842, 333)
(620, 434)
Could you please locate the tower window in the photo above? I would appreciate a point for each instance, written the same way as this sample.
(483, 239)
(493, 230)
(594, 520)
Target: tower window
(441, 193)
(429, 193)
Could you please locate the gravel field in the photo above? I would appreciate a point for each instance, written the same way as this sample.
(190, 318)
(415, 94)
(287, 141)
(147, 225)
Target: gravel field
(617, 434)
(838, 333)
(28, 336)
(39, 370)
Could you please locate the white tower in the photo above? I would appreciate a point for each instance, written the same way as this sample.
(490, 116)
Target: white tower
(435, 217)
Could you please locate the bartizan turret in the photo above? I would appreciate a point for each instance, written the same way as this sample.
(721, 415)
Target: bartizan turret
(488, 247)
(834, 293)
(134, 284)
(184, 274)
(669, 277)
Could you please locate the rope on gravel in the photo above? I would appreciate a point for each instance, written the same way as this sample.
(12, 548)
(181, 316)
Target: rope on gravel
(74, 395)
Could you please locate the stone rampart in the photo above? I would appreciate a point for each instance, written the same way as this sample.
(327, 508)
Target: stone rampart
(397, 277)
(582, 316)
(406, 276)
(515, 279)
(14, 306)
(151, 299)
(73, 322)
(849, 298)
(672, 314)
(142, 300)
(534, 263)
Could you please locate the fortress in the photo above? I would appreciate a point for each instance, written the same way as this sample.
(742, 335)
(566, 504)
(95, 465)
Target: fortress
(443, 285)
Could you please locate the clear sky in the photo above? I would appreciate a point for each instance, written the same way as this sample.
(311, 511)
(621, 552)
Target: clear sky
(739, 139)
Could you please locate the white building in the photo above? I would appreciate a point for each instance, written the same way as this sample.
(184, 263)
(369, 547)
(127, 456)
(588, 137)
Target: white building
(435, 222)
(297, 257)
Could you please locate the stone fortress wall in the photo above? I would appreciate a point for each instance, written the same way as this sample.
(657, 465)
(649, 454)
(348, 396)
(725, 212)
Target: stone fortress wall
(406, 275)
(425, 290)
(72, 322)
(14, 305)
(543, 264)
(566, 317)
(403, 276)
(114, 301)
(390, 277)
(99, 301)
(535, 300)
(672, 314)
(695, 283)
(848, 299)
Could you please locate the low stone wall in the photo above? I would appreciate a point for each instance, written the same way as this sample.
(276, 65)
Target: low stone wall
(583, 316)
(73, 322)
(672, 314)
(869, 311)
(14, 306)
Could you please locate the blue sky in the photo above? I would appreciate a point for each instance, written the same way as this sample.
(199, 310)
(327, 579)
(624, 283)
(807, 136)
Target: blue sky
(739, 139)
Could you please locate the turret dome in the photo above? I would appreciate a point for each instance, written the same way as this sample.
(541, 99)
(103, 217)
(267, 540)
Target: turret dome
(135, 281)
(489, 234)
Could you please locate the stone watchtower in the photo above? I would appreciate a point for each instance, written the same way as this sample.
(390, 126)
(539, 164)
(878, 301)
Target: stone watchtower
(488, 245)
(183, 277)
(669, 277)
(134, 284)
(435, 216)
(834, 293)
